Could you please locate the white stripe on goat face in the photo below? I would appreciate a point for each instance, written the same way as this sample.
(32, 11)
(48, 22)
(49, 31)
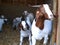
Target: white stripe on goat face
(48, 11)
(24, 24)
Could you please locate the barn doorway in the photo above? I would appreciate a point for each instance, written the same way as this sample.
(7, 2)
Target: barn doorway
(14, 8)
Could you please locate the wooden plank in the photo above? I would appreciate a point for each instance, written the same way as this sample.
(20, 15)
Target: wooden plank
(54, 24)
(58, 26)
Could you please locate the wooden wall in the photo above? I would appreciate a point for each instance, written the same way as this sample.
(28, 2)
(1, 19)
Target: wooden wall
(58, 26)
(26, 2)
(14, 7)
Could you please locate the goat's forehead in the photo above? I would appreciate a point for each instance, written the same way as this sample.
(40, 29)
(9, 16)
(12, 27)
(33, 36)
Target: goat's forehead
(47, 9)
(23, 23)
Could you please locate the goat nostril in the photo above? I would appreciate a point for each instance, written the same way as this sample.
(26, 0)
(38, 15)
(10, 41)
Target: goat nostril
(51, 16)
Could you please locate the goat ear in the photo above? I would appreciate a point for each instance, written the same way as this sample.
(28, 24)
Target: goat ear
(20, 26)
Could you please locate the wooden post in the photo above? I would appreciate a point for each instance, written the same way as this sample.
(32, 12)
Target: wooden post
(54, 23)
(54, 6)
(58, 26)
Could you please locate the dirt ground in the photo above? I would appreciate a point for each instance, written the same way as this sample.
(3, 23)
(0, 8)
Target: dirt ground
(12, 37)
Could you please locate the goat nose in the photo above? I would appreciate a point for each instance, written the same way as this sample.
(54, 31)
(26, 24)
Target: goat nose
(52, 16)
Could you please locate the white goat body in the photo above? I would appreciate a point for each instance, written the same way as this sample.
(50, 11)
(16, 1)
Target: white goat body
(38, 34)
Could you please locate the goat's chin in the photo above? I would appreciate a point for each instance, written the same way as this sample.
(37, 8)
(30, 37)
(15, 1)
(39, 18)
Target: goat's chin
(25, 29)
(51, 18)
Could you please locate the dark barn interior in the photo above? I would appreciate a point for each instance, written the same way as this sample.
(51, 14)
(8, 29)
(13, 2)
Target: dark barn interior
(14, 8)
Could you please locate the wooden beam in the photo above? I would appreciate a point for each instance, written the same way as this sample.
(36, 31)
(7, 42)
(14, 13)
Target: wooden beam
(54, 6)
(54, 23)
(58, 26)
